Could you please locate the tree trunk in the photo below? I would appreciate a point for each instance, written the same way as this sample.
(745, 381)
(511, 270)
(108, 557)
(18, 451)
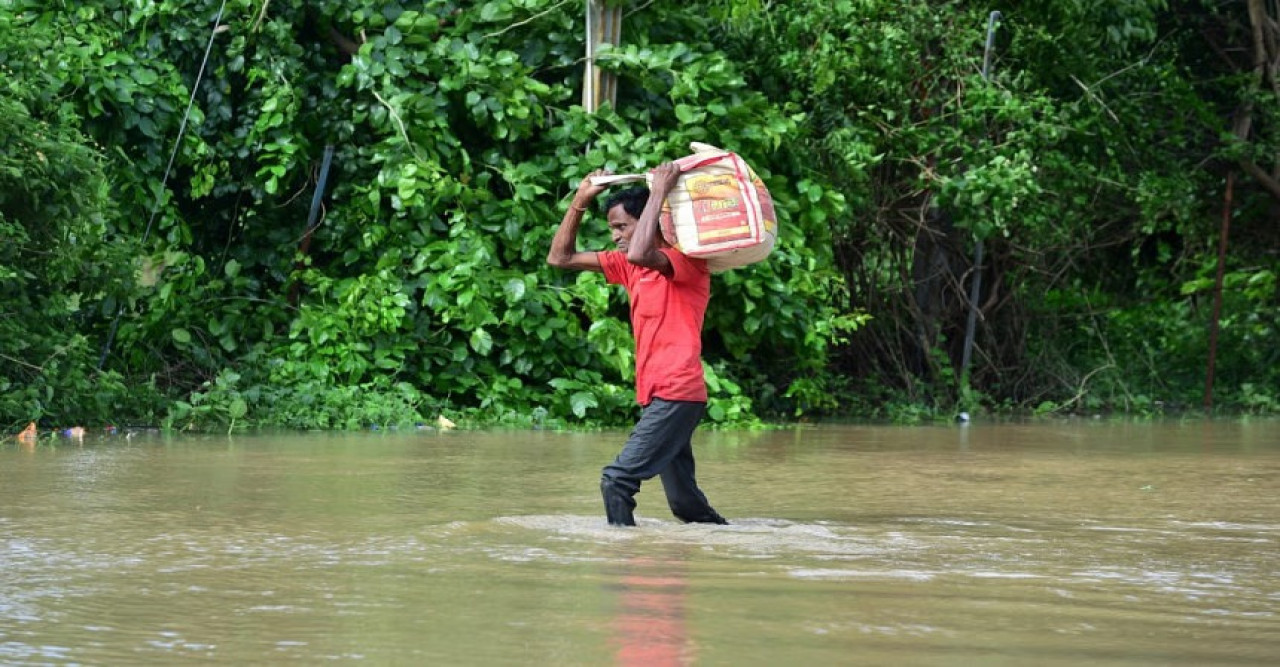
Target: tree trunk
(1266, 61)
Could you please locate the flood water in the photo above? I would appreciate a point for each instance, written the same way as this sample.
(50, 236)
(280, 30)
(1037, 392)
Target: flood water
(1059, 543)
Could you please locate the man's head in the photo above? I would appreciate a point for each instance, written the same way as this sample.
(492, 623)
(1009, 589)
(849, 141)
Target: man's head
(623, 209)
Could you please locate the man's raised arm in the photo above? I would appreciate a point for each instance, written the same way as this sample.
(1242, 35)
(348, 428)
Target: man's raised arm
(564, 246)
(647, 240)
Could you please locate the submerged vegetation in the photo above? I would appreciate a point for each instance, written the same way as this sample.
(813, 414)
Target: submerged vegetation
(193, 284)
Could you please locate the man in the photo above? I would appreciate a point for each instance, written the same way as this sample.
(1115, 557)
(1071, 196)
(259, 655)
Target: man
(668, 293)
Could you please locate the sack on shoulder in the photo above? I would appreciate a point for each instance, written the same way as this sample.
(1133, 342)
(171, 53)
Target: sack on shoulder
(719, 209)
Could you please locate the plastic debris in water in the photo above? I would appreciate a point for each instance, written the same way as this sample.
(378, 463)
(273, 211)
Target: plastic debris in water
(75, 432)
(539, 414)
(444, 423)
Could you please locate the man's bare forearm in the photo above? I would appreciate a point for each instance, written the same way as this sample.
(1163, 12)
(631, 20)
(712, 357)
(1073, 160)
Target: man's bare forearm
(644, 249)
(565, 243)
(644, 243)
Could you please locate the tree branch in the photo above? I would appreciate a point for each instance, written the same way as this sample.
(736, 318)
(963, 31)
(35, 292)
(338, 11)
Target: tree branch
(1264, 179)
(531, 19)
(345, 44)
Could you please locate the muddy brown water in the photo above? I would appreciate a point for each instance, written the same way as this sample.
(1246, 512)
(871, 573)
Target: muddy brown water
(1060, 543)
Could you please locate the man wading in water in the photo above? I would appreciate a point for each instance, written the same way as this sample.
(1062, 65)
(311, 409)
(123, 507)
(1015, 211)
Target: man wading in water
(668, 293)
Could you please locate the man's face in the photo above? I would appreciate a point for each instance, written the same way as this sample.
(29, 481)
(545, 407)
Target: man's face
(621, 226)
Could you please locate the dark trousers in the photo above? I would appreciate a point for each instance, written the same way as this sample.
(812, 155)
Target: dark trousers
(661, 444)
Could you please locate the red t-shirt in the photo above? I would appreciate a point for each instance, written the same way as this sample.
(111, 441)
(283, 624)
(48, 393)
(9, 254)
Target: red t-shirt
(666, 320)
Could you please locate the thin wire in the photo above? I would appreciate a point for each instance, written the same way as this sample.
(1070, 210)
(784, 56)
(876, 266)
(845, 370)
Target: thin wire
(164, 181)
(182, 128)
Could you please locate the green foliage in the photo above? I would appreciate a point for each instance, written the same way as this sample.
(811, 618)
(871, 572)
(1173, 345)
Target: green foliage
(1088, 162)
(423, 287)
(1147, 356)
(59, 282)
(1064, 161)
(303, 397)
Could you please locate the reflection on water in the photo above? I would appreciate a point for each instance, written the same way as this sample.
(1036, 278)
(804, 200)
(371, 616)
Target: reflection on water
(650, 623)
(1055, 543)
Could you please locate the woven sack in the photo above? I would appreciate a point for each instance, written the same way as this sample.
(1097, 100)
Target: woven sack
(719, 209)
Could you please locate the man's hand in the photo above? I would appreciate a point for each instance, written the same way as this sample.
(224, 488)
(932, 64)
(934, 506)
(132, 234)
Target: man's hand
(587, 191)
(665, 176)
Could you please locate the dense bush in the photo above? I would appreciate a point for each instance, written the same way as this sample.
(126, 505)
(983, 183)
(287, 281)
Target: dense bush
(422, 288)
(62, 274)
(1090, 164)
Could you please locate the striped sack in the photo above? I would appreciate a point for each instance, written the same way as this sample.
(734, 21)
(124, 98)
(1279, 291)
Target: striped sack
(719, 209)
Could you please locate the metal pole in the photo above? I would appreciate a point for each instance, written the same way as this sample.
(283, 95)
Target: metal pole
(975, 288)
(317, 198)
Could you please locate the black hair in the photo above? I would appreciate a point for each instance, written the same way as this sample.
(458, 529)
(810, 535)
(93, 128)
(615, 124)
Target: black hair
(632, 199)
